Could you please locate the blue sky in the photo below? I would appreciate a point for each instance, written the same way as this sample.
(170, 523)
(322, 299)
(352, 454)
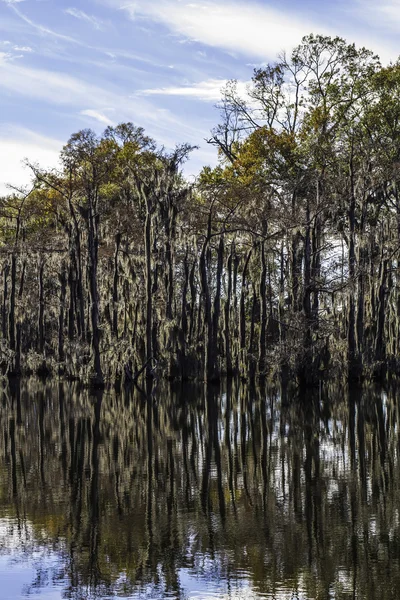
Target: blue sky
(71, 64)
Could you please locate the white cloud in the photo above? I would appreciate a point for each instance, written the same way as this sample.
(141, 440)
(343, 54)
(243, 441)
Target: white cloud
(254, 29)
(16, 144)
(59, 89)
(249, 28)
(22, 48)
(97, 115)
(384, 15)
(8, 57)
(82, 16)
(374, 25)
(41, 29)
(49, 86)
(208, 91)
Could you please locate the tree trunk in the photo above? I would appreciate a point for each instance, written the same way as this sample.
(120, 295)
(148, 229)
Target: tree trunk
(227, 314)
(149, 292)
(6, 272)
(380, 351)
(351, 333)
(97, 379)
(41, 308)
(115, 287)
(11, 315)
(63, 292)
(242, 316)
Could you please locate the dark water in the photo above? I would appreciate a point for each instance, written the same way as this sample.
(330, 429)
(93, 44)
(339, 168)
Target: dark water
(193, 494)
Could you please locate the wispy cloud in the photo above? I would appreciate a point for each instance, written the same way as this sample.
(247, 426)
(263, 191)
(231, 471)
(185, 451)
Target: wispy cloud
(22, 48)
(8, 57)
(209, 90)
(112, 52)
(59, 89)
(384, 15)
(82, 16)
(251, 28)
(248, 28)
(41, 28)
(97, 116)
(49, 86)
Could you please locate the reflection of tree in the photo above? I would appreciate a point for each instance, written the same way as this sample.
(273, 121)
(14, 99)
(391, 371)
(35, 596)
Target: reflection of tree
(128, 490)
(94, 516)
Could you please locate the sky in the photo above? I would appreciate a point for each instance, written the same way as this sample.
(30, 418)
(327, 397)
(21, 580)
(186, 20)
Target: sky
(67, 65)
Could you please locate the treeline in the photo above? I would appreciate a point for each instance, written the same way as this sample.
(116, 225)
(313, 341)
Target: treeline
(283, 258)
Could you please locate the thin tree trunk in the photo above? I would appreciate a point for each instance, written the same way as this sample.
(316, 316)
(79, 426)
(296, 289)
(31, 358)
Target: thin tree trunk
(380, 351)
(41, 307)
(6, 272)
(115, 287)
(242, 319)
(97, 379)
(149, 291)
(351, 335)
(263, 312)
(61, 318)
(227, 314)
(11, 315)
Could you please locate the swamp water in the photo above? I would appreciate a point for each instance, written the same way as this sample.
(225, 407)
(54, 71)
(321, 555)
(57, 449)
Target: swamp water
(237, 493)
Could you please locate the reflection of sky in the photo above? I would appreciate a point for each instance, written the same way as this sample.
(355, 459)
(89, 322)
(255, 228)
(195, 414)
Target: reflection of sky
(16, 584)
(16, 578)
(27, 571)
(13, 578)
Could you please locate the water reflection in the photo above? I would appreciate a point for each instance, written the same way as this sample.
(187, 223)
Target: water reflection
(199, 493)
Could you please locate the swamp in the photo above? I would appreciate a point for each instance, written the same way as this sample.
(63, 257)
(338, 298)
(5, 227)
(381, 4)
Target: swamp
(199, 378)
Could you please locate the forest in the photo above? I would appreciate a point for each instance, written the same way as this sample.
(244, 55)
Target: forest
(282, 260)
